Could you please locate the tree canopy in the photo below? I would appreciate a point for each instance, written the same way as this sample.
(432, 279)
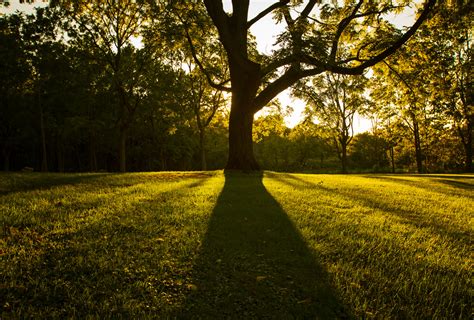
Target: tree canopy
(162, 85)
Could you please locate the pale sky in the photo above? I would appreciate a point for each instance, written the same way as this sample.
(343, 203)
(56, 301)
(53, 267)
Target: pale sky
(23, 7)
(265, 31)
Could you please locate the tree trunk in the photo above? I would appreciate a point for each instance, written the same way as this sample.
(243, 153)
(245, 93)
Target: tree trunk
(245, 83)
(44, 159)
(60, 155)
(467, 144)
(344, 157)
(6, 160)
(241, 155)
(123, 149)
(392, 158)
(92, 155)
(468, 149)
(202, 149)
(418, 153)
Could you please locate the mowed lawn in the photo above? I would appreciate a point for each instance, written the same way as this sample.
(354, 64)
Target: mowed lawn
(241, 246)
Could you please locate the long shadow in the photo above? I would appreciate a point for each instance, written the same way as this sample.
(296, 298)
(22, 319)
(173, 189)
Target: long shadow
(15, 182)
(97, 269)
(448, 181)
(397, 261)
(371, 200)
(254, 264)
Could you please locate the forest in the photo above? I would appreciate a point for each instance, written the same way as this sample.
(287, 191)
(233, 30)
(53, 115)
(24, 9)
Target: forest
(144, 86)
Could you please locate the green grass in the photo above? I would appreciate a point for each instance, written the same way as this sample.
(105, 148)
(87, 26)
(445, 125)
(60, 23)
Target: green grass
(209, 245)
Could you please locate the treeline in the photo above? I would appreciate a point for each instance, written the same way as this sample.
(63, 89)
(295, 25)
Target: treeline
(80, 93)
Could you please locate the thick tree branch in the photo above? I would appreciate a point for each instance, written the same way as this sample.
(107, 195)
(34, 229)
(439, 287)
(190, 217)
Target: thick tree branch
(272, 66)
(218, 86)
(340, 29)
(262, 14)
(290, 77)
(400, 42)
(307, 10)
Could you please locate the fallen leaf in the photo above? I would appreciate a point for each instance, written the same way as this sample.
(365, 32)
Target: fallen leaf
(192, 287)
(305, 301)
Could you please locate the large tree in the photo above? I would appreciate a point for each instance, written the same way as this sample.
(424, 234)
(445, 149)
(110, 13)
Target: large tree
(344, 38)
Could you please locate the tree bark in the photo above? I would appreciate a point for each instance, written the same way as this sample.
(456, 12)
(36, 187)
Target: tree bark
(468, 148)
(202, 148)
(392, 158)
(60, 155)
(418, 153)
(241, 156)
(245, 79)
(344, 157)
(123, 150)
(6, 160)
(44, 159)
(92, 154)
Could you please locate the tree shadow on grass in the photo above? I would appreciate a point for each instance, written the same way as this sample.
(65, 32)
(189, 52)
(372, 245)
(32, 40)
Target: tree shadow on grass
(457, 185)
(382, 262)
(369, 199)
(254, 263)
(22, 182)
(119, 265)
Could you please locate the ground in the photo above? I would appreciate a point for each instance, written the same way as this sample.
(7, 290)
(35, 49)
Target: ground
(214, 245)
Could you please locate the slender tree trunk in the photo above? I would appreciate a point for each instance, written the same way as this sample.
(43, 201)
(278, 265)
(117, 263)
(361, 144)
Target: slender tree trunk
(467, 144)
(392, 158)
(44, 159)
(60, 155)
(6, 160)
(468, 150)
(163, 159)
(202, 148)
(344, 157)
(418, 153)
(123, 149)
(92, 154)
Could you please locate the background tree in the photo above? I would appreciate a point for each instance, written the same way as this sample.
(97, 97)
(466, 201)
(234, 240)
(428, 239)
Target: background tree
(311, 145)
(334, 100)
(432, 75)
(204, 99)
(205, 103)
(110, 27)
(15, 72)
(451, 35)
(369, 151)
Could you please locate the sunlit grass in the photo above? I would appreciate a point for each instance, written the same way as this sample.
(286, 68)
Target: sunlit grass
(165, 245)
(395, 246)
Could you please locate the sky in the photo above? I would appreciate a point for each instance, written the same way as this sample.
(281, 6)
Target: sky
(24, 7)
(265, 31)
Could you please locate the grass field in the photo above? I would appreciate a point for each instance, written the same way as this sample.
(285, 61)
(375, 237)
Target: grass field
(243, 246)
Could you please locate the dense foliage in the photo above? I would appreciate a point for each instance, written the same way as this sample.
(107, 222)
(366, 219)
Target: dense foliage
(100, 87)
